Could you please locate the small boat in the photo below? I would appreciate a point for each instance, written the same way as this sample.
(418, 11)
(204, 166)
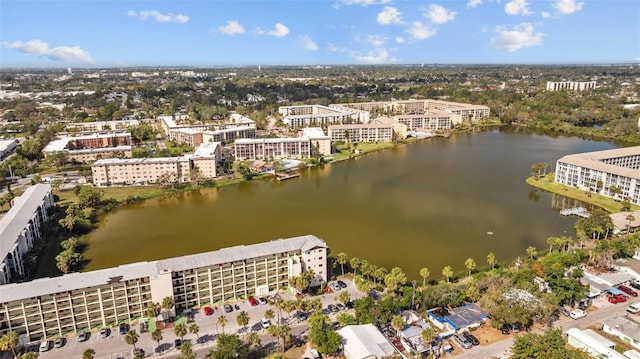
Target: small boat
(489, 233)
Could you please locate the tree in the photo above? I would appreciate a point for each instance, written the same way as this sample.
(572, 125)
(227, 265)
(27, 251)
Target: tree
(342, 259)
(88, 354)
(447, 272)
(222, 321)
(153, 310)
(194, 329)
(186, 351)
(180, 330)
(229, 346)
(89, 197)
(156, 336)
(9, 342)
(424, 273)
(131, 338)
(395, 279)
(167, 304)
(549, 345)
(243, 319)
(470, 264)
(532, 252)
(397, 322)
(355, 264)
(253, 339)
(491, 260)
(269, 314)
(630, 218)
(428, 334)
(344, 297)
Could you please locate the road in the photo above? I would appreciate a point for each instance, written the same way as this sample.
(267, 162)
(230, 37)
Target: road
(114, 346)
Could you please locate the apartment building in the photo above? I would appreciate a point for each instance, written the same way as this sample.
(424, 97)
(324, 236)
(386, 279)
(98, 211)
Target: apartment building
(51, 307)
(88, 148)
(99, 126)
(570, 85)
(319, 141)
(20, 228)
(272, 148)
(398, 127)
(429, 120)
(617, 168)
(372, 132)
(320, 116)
(6, 148)
(114, 171)
(421, 106)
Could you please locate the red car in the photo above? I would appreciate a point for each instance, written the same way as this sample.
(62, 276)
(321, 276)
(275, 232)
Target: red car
(208, 311)
(628, 290)
(253, 301)
(618, 298)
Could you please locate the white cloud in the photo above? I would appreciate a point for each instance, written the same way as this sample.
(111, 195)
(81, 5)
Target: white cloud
(439, 15)
(231, 28)
(516, 38)
(158, 16)
(566, 7)
(472, 4)
(517, 7)
(419, 31)
(365, 2)
(376, 41)
(376, 56)
(545, 14)
(308, 43)
(279, 30)
(390, 16)
(400, 39)
(40, 48)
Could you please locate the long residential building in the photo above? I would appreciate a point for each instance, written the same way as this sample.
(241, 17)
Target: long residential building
(99, 126)
(371, 132)
(115, 172)
(88, 148)
(320, 116)
(429, 120)
(272, 148)
(613, 173)
(420, 106)
(51, 307)
(20, 228)
(225, 135)
(571, 85)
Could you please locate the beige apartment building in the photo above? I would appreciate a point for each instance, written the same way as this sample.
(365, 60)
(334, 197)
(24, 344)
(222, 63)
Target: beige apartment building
(100, 126)
(87, 148)
(372, 132)
(319, 141)
(118, 172)
(429, 120)
(320, 116)
(52, 307)
(272, 148)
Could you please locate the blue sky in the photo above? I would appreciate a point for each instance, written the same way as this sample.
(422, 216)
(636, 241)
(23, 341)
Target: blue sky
(50, 33)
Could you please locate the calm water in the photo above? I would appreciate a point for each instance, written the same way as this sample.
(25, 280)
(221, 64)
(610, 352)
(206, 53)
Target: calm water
(428, 204)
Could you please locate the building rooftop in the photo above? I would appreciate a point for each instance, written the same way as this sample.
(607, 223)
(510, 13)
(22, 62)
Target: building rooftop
(73, 281)
(206, 149)
(365, 341)
(133, 161)
(624, 325)
(271, 140)
(596, 342)
(594, 160)
(15, 221)
(314, 133)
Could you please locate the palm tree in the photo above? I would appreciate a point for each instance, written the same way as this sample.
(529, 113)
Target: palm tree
(342, 259)
(167, 304)
(222, 321)
(9, 342)
(424, 273)
(285, 335)
(344, 297)
(194, 329)
(253, 339)
(630, 218)
(180, 330)
(428, 334)
(88, 354)
(397, 322)
(470, 264)
(131, 338)
(355, 264)
(532, 252)
(491, 260)
(447, 272)
(243, 319)
(156, 336)
(269, 314)
(186, 351)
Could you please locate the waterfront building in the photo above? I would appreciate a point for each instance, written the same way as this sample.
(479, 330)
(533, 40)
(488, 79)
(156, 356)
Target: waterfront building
(272, 148)
(114, 171)
(83, 301)
(429, 120)
(319, 140)
(617, 170)
(318, 115)
(237, 126)
(420, 106)
(20, 228)
(99, 126)
(398, 127)
(372, 132)
(571, 85)
(88, 148)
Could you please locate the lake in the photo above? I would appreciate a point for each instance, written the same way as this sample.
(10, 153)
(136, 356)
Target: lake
(429, 204)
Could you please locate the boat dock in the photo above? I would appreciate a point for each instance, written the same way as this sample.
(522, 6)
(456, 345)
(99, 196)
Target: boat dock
(576, 211)
(281, 176)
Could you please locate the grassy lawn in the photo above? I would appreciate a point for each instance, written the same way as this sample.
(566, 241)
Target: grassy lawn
(363, 148)
(118, 193)
(547, 183)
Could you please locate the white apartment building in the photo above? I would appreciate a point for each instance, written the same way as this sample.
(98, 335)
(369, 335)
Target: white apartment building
(319, 141)
(272, 148)
(114, 172)
(52, 307)
(320, 116)
(372, 132)
(619, 168)
(20, 227)
(571, 85)
(99, 126)
(430, 120)
(416, 106)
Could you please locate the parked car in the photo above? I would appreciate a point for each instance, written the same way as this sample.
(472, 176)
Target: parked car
(262, 300)
(315, 354)
(334, 286)
(265, 323)
(45, 346)
(341, 306)
(177, 343)
(124, 328)
(342, 284)
(515, 327)
(617, 298)
(228, 308)
(577, 314)
(635, 284)
(332, 308)
(138, 352)
(301, 316)
(208, 310)
(462, 340)
(472, 338)
(506, 329)
(83, 336)
(253, 301)
(105, 332)
(237, 306)
(563, 310)
(628, 290)
(59, 343)
(634, 308)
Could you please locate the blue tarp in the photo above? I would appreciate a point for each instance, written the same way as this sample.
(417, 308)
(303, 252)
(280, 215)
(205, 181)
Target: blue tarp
(615, 291)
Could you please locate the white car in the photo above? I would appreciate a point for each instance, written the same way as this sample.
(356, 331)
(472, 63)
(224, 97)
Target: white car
(45, 346)
(577, 314)
(634, 308)
(265, 323)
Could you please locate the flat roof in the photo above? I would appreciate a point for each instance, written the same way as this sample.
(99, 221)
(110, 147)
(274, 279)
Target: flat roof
(314, 132)
(271, 140)
(360, 125)
(15, 221)
(365, 341)
(74, 281)
(206, 149)
(624, 325)
(593, 160)
(133, 161)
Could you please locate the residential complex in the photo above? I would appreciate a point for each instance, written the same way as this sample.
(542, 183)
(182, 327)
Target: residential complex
(429, 120)
(464, 110)
(320, 142)
(570, 85)
(371, 132)
(237, 126)
(272, 148)
(55, 306)
(114, 171)
(318, 115)
(100, 126)
(613, 173)
(89, 148)
(19, 229)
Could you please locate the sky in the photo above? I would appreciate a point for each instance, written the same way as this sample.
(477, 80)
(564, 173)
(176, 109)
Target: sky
(201, 33)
